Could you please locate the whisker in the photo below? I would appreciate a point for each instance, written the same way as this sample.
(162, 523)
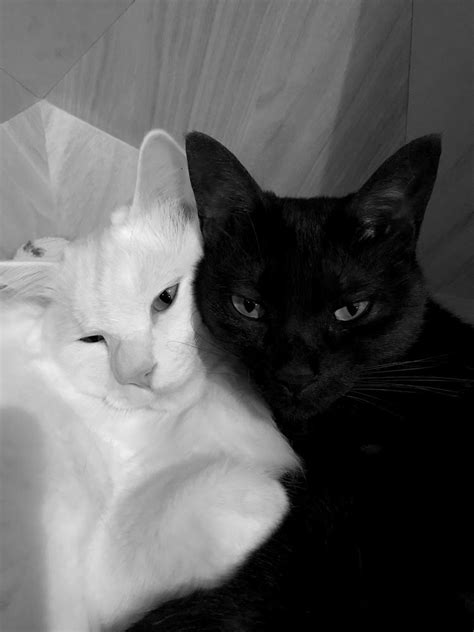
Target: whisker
(213, 343)
(199, 348)
(383, 386)
(402, 369)
(163, 619)
(182, 342)
(409, 383)
(356, 398)
(220, 353)
(365, 398)
(407, 388)
(416, 378)
(432, 360)
(377, 401)
(366, 395)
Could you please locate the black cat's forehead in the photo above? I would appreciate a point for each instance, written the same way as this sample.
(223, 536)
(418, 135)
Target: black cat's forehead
(306, 246)
(308, 219)
(275, 226)
(303, 249)
(298, 228)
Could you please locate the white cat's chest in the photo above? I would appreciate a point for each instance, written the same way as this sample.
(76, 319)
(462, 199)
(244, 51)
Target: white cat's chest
(53, 486)
(133, 444)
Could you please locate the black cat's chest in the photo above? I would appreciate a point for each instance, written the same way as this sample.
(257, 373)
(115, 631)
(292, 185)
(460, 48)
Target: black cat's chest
(388, 488)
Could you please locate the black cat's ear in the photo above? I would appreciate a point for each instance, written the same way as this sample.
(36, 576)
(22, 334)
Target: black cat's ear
(398, 192)
(221, 184)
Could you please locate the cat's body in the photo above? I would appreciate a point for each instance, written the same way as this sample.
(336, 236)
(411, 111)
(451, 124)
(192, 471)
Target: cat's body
(89, 463)
(371, 381)
(134, 463)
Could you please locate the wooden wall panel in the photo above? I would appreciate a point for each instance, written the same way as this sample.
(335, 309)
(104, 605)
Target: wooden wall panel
(163, 65)
(59, 176)
(332, 96)
(14, 98)
(310, 93)
(26, 201)
(41, 39)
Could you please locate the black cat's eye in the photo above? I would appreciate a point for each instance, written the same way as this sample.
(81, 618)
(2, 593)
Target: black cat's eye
(164, 300)
(95, 338)
(351, 311)
(248, 307)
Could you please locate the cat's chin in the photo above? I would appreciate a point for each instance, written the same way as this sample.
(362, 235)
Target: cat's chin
(299, 409)
(313, 401)
(130, 397)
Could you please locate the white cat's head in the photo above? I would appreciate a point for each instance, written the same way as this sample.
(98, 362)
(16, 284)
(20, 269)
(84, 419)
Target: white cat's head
(120, 313)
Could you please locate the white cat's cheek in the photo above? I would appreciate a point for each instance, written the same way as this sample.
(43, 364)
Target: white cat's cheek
(176, 363)
(166, 380)
(86, 366)
(174, 346)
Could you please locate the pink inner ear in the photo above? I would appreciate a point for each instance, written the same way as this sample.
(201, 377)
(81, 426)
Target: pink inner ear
(368, 231)
(162, 172)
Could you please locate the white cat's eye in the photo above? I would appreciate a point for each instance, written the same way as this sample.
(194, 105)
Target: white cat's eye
(164, 300)
(94, 338)
(247, 307)
(351, 311)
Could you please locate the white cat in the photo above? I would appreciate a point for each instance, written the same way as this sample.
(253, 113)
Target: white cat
(133, 466)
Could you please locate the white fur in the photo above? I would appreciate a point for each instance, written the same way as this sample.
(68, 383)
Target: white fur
(116, 496)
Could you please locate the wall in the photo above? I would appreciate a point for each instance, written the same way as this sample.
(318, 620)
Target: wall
(442, 99)
(311, 95)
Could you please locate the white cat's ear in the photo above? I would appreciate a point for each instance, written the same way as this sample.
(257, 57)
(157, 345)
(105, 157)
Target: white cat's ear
(28, 279)
(162, 173)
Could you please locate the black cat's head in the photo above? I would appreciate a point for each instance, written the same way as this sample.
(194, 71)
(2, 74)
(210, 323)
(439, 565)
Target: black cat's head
(310, 292)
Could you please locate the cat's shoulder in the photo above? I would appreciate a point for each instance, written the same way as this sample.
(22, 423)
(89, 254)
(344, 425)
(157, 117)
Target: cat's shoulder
(443, 327)
(439, 313)
(229, 387)
(242, 422)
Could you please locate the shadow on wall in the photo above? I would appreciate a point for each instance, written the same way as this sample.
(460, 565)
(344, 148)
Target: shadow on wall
(442, 99)
(370, 123)
(23, 591)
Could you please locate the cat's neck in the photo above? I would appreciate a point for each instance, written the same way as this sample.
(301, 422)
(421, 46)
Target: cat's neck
(175, 402)
(211, 362)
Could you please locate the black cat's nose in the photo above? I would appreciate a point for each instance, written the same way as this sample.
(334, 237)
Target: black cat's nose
(295, 382)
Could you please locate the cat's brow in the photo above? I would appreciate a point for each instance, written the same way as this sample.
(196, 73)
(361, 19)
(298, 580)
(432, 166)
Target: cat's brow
(245, 287)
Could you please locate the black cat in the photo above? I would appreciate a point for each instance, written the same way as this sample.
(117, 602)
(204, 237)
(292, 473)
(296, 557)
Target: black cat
(323, 301)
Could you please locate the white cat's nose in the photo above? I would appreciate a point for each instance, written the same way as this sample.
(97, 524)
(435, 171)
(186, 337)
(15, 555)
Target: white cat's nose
(142, 378)
(132, 361)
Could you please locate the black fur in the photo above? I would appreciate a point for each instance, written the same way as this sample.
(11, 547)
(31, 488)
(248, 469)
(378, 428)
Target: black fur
(380, 536)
